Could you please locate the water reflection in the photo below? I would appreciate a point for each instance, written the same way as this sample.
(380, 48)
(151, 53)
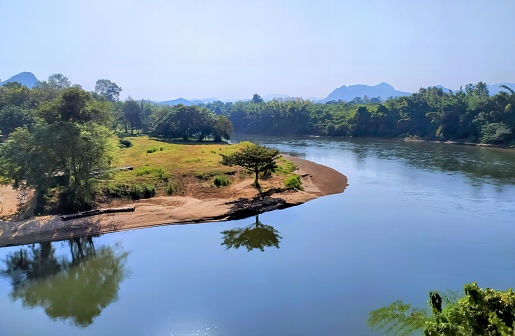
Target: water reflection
(479, 164)
(255, 235)
(75, 287)
(475, 162)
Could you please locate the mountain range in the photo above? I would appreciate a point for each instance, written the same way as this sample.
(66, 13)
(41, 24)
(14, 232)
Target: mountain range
(346, 93)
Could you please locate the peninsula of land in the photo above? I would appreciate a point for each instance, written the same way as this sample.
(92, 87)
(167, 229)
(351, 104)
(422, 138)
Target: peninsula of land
(196, 206)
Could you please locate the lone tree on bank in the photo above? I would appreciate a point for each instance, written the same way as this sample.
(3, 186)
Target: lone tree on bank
(254, 158)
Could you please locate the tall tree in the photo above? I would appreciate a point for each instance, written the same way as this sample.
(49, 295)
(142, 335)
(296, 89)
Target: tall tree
(71, 140)
(108, 89)
(132, 112)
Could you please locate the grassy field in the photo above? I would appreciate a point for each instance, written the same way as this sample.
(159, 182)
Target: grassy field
(166, 168)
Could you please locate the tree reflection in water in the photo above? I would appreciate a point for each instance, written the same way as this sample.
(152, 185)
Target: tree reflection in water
(255, 235)
(76, 288)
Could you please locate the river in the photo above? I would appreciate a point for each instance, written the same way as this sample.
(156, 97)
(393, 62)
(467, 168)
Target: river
(415, 217)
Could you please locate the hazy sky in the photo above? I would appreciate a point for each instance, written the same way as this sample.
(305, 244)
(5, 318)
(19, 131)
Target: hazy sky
(231, 49)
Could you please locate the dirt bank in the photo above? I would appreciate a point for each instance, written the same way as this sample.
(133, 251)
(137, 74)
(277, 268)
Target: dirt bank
(235, 201)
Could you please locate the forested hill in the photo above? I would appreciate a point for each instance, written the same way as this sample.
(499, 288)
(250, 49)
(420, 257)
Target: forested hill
(471, 114)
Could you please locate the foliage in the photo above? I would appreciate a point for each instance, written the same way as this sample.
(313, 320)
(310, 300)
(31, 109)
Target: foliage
(221, 181)
(495, 133)
(132, 113)
(430, 113)
(134, 191)
(254, 158)
(398, 319)
(68, 141)
(125, 143)
(191, 121)
(293, 182)
(107, 89)
(478, 312)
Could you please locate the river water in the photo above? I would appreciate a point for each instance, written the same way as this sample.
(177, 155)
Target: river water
(415, 217)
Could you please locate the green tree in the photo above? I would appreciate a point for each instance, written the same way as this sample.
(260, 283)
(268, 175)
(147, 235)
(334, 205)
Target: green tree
(108, 89)
(12, 117)
(478, 312)
(222, 128)
(69, 142)
(132, 113)
(254, 158)
(256, 99)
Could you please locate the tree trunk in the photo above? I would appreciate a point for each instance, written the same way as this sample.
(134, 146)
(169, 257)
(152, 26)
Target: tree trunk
(256, 183)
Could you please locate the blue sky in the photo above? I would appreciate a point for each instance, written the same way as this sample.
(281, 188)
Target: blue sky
(231, 49)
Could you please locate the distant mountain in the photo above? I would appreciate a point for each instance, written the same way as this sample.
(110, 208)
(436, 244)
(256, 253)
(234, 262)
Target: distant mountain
(203, 100)
(25, 78)
(175, 102)
(348, 93)
(496, 88)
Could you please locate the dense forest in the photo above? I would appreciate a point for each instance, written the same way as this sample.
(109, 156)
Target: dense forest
(468, 115)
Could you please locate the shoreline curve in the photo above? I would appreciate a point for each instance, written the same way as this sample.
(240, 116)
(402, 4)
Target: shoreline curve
(317, 180)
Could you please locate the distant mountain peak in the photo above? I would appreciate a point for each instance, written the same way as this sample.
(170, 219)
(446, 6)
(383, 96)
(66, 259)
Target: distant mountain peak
(25, 78)
(382, 90)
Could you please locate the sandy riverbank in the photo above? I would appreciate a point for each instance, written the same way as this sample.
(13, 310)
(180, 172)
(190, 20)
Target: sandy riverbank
(317, 180)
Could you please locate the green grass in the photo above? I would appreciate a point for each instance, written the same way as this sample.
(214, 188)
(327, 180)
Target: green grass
(293, 182)
(168, 164)
(285, 167)
(162, 165)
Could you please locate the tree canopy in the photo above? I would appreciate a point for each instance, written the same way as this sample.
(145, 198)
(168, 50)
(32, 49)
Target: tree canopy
(62, 142)
(254, 158)
(471, 115)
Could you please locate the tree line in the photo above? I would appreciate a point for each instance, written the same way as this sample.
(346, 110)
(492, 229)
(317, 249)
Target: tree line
(469, 114)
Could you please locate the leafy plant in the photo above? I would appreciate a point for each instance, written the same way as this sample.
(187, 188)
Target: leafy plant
(221, 181)
(478, 312)
(124, 143)
(293, 182)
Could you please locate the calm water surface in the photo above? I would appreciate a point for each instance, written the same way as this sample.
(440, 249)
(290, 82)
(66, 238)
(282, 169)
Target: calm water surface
(415, 217)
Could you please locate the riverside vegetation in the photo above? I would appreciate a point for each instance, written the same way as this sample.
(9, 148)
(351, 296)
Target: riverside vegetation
(65, 143)
(470, 115)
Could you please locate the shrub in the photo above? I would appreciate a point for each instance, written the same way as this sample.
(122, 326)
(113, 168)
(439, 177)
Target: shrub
(221, 181)
(146, 170)
(148, 191)
(136, 191)
(293, 182)
(124, 143)
(151, 150)
(171, 188)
